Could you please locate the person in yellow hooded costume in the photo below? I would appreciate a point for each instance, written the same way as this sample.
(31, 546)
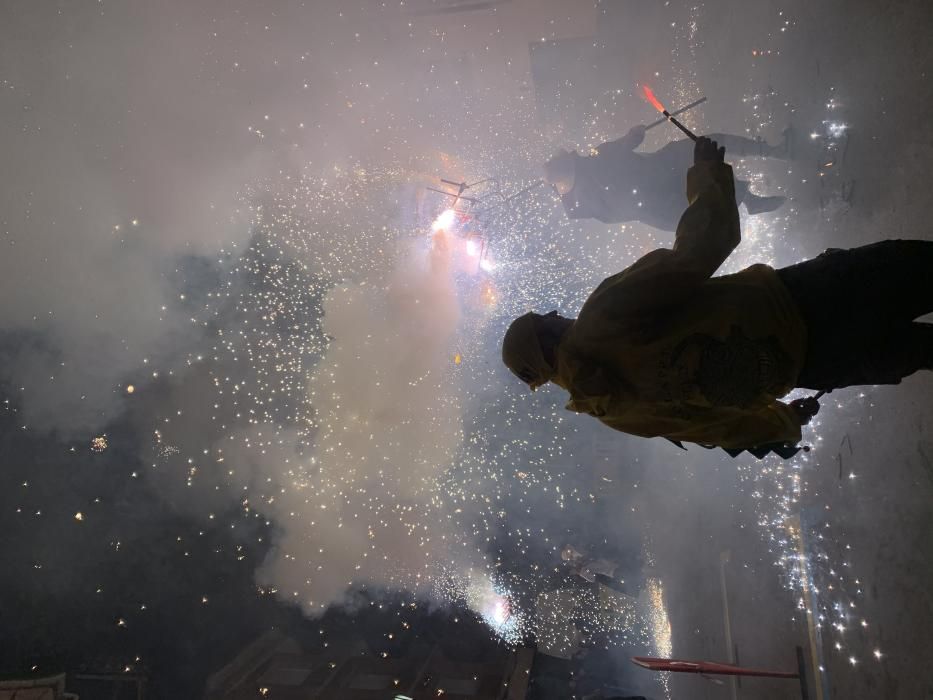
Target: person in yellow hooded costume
(665, 349)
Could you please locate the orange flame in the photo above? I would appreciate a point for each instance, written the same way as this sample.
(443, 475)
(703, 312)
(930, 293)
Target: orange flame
(652, 99)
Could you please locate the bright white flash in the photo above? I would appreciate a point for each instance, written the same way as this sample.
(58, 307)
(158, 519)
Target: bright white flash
(500, 611)
(444, 221)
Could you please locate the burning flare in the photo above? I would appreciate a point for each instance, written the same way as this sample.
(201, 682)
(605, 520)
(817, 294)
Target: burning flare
(649, 95)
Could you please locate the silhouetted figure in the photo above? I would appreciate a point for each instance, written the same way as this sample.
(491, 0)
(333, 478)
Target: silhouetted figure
(663, 348)
(619, 184)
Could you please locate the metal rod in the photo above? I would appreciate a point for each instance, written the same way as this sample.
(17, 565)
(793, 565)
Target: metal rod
(727, 624)
(690, 106)
(802, 672)
(456, 196)
(679, 125)
(530, 187)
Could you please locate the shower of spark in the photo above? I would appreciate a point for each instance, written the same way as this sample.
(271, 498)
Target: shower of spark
(813, 562)
(494, 606)
(326, 243)
(333, 337)
(660, 626)
(350, 408)
(335, 330)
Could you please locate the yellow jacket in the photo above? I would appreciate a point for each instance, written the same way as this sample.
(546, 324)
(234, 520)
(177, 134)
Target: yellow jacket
(665, 349)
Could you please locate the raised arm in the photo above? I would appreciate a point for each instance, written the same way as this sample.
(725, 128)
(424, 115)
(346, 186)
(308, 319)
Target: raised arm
(707, 233)
(709, 229)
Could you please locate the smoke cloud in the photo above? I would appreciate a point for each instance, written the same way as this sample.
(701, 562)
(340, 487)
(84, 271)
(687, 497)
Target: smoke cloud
(387, 424)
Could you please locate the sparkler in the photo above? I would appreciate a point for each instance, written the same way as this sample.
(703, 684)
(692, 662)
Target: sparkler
(649, 95)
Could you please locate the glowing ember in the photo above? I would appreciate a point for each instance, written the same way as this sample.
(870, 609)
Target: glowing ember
(488, 294)
(99, 444)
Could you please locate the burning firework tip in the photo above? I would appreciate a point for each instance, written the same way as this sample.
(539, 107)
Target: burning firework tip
(444, 221)
(656, 103)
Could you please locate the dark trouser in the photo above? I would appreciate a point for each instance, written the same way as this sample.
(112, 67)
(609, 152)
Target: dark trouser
(859, 306)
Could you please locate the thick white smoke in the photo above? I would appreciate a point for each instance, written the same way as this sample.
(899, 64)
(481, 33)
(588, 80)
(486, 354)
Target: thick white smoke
(388, 422)
(129, 131)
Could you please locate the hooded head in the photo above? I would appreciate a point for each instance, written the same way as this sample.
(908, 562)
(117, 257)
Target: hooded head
(529, 344)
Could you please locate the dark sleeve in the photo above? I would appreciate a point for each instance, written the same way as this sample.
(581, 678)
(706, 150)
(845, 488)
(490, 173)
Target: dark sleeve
(707, 233)
(709, 230)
